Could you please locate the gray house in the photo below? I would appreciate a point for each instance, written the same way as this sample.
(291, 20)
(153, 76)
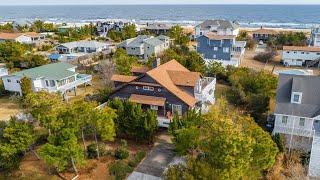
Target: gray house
(221, 48)
(297, 115)
(144, 46)
(220, 27)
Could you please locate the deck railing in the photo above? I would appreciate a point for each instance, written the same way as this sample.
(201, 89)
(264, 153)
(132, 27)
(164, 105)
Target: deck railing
(293, 131)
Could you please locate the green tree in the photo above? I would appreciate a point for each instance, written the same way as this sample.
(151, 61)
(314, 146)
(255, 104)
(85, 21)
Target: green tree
(123, 62)
(16, 137)
(216, 69)
(133, 122)
(224, 144)
(63, 150)
(179, 36)
(252, 90)
(129, 31)
(115, 35)
(45, 107)
(26, 86)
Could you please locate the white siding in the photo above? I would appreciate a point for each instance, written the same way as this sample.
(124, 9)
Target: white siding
(292, 126)
(297, 58)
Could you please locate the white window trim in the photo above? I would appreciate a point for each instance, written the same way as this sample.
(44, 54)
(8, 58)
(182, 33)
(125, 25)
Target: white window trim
(154, 107)
(176, 106)
(304, 121)
(148, 88)
(300, 97)
(286, 120)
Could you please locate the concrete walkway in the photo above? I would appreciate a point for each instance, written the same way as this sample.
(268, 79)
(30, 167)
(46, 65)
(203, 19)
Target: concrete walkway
(153, 166)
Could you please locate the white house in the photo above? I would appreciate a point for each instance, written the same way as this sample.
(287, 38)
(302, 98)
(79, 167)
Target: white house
(82, 47)
(315, 37)
(300, 55)
(144, 46)
(3, 70)
(297, 115)
(220, 27)
(25, 38)
(56, 77)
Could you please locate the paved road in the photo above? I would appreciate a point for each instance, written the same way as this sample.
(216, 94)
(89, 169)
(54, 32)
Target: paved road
(156, 161)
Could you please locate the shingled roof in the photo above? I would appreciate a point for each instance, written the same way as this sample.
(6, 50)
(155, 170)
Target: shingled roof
(309, 86)
(161, 74)
(222, 24)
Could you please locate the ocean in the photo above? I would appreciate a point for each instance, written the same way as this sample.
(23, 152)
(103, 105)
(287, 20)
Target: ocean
(293, 16)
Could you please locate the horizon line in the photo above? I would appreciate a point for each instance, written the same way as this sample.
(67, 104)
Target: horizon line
(151, 4)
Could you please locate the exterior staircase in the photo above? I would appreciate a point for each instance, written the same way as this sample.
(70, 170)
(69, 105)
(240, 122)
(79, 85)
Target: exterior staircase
(314, 164)
(313, 62)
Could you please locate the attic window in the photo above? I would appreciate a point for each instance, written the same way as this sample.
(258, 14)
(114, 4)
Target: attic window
(296, 97)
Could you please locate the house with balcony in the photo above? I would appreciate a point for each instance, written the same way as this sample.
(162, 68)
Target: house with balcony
(301, 55)
(144, 46)
(169, 88)
(315, 37)
(3, 70)
(221, 48)
(297, 115)
(83, 46)
(56, 77)
(219, 27)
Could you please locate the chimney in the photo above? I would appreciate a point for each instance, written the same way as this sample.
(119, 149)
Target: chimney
(156, 63)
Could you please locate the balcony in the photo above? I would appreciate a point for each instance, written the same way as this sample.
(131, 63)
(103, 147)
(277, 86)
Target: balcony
(80, 80)
(204, 93)
(293, 131)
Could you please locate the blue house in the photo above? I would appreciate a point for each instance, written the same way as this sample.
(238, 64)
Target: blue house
(221, 48)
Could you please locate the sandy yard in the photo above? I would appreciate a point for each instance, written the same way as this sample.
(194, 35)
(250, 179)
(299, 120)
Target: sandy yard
(272, 66)
(32, 168)
(8, 108)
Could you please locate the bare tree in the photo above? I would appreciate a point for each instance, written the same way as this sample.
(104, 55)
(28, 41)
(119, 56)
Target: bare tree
(106, 70)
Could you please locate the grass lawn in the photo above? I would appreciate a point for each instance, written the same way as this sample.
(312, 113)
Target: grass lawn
(8, 108)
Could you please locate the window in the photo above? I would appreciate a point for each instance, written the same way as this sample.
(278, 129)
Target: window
(214, 56)
(137, 87)
(215, 48)
(296, 97)
(302, 52)
(18, 81)
(52, 83)
(284, 119)
(226, 49)
(288, 52)
(295, 52)
(302, 121)
(8, 80)
(318, 53)
(177, 109)
(153, 107)
(47, 83)
(148, 88)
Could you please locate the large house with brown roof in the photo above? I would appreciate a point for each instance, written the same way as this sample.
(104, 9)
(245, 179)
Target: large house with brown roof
(300, 55)
(168, 89)
(25, 38)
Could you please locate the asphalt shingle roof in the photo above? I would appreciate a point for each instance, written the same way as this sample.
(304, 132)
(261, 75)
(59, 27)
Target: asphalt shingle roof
(55, 71)
(309, 86)
(222, 24)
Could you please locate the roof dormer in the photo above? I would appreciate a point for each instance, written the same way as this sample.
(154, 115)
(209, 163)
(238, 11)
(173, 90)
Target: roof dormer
(296, 97)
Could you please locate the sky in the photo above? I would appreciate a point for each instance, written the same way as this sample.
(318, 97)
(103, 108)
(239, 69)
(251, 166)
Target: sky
(85, 2)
